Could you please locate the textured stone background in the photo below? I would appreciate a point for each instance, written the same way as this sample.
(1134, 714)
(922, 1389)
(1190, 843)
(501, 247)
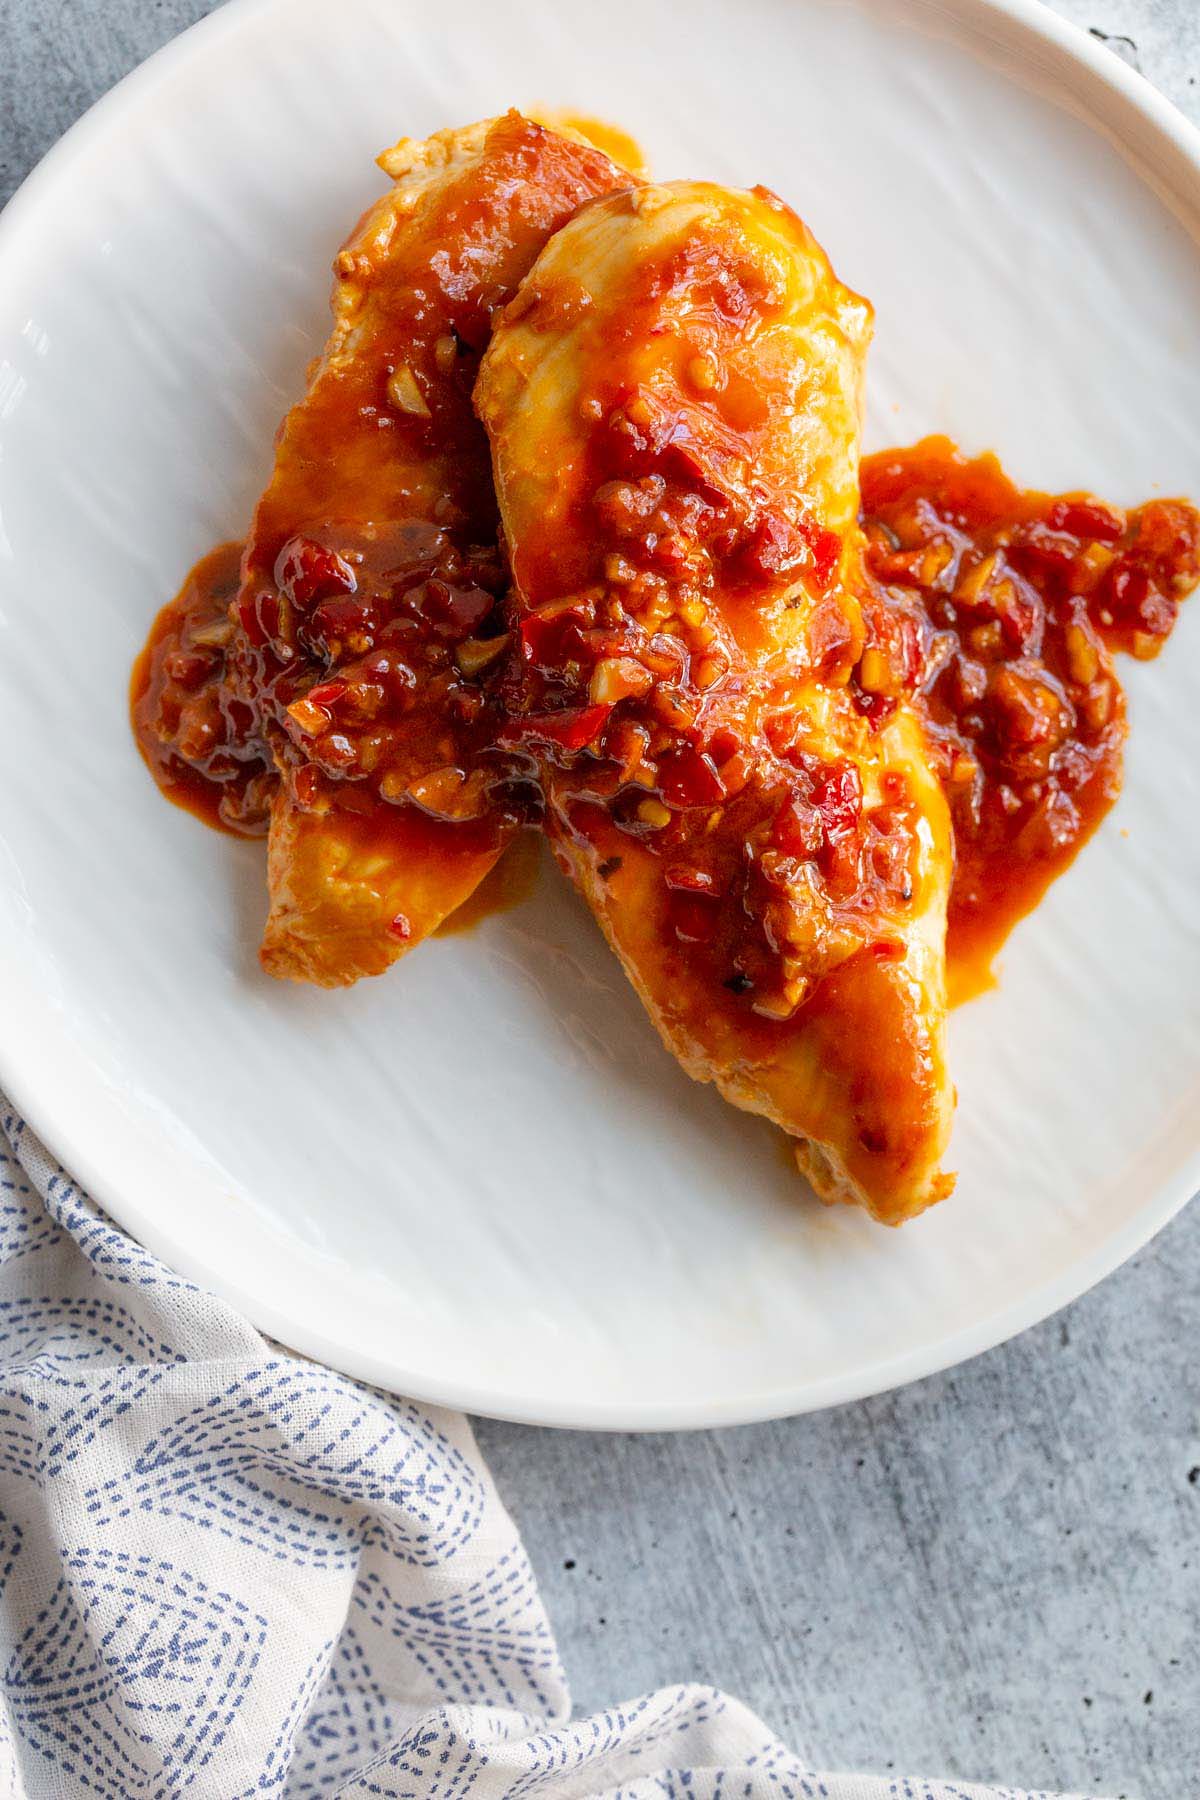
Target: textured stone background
(990, 1575)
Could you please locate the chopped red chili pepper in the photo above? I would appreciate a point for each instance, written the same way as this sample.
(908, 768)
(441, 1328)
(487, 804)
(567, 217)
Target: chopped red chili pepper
(573, 729)
(826, 547)
(837, 796)
(306, 571)
(1087, 519)
(797, 829)
(326, 692)
(337, 621)
(688, 777)
(544, 639)
(681, 879)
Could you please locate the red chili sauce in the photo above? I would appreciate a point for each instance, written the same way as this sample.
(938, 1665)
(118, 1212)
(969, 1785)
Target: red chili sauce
(200, 741)
(357, 667)
(999, 610)
(995, 610)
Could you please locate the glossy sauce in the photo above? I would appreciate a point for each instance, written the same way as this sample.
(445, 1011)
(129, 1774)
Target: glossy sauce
(367, 633)
(510, 884)
(611, 139)
(661, 593)
(996, 610)
(205, 752)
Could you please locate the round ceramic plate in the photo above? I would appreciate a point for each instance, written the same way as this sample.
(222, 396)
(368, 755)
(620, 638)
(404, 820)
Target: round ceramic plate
(480, 1180)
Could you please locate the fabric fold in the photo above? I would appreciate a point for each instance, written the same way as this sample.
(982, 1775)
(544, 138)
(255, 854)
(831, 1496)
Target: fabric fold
(228, 1572)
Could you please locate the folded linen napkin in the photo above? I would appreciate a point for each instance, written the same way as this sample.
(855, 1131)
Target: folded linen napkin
(227, 1572)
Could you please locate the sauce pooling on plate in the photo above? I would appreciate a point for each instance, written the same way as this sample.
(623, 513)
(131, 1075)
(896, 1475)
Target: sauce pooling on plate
(202, 744)
(997, 609)
(612, 139)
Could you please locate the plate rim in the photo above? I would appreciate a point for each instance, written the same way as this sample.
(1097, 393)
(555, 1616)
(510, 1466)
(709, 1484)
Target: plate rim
(1031, 20)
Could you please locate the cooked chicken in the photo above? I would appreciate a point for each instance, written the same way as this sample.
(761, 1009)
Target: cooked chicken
(673, 404)
(370, 636)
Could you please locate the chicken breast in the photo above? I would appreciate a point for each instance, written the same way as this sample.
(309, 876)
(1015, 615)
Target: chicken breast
(369, 633)
(673, 405)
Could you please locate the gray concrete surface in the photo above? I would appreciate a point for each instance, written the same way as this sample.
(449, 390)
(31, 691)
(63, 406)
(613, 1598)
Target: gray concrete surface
(992, 1575)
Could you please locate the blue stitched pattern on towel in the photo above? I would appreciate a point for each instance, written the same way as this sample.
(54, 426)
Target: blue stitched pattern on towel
(228, 1573)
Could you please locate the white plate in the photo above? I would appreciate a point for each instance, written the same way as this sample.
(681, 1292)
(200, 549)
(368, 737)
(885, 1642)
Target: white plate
(480, 1180)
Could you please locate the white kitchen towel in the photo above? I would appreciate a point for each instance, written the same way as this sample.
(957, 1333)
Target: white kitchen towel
(226, 1572)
